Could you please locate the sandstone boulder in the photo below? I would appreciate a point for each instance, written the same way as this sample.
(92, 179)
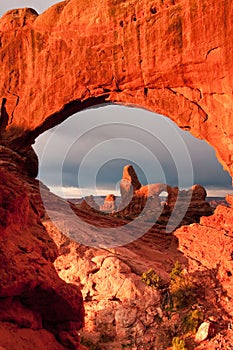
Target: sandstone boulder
(204, 331)
(109, 204)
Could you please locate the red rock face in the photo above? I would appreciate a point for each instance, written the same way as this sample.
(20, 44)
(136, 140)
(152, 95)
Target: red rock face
(211, 243)
(172, 57)
(120, 308)
(36, 306)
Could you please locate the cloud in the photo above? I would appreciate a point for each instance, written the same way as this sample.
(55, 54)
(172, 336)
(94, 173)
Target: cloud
(74, 192)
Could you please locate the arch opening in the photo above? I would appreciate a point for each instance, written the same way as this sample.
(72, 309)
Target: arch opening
(83, 161)
(77, 136)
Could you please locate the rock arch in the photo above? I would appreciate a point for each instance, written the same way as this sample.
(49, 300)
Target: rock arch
(172, 57)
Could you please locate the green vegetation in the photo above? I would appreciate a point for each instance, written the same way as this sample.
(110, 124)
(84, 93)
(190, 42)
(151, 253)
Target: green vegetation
(182, 288)
(178, 300)
(182, 291)
(178, 344)
(176, 271)
(192, 321)
(150, 278)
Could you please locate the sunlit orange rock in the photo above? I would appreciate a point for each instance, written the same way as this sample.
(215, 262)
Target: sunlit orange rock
(188, 205)
(109, 204)
(210, 243)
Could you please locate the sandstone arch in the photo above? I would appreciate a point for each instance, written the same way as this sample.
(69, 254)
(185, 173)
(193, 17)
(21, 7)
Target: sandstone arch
(172, 57)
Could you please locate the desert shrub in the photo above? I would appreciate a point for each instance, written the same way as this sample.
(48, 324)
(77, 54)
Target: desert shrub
(178, 344)
(183, 291)
(176, 271)
(192, 320)
(150, 278)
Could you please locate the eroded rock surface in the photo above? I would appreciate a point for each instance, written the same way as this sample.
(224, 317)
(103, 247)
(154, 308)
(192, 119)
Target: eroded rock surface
(120, 308)
(197, 242)
(37, 308)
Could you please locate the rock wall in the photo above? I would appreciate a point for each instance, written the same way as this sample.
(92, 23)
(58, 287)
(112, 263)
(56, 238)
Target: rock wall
(172, 57)
(37, 309)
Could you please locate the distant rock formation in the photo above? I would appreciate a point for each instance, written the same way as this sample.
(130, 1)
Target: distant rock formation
(109, 205)
(89, 204)
(145, 200)
(128, 185)
(195, 201)
(144, 197)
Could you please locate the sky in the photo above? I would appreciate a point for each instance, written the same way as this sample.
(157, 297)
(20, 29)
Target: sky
(86, 153)
(37, 5)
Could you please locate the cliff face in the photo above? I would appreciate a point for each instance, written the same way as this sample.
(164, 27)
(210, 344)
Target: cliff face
(36, 306)
(173, 57)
